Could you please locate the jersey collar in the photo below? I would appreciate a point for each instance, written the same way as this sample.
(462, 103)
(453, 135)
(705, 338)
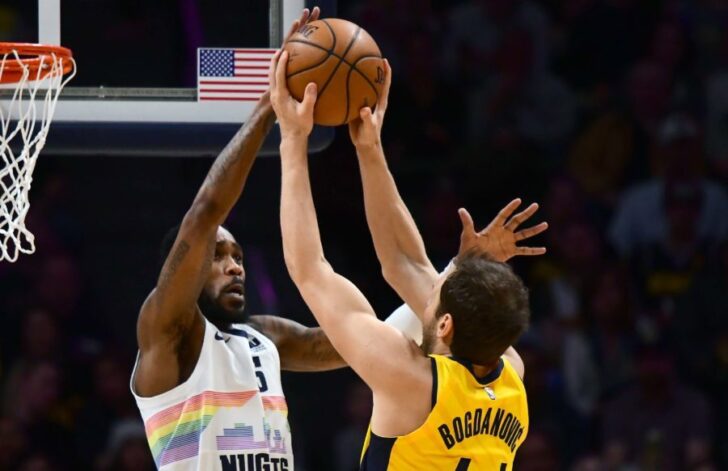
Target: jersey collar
(487, 379)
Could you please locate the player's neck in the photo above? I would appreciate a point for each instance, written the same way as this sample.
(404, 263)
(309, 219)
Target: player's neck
(441, 349)
(222, 325)
(484, 370)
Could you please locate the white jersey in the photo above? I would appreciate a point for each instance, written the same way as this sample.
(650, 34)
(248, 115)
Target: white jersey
(230, 415)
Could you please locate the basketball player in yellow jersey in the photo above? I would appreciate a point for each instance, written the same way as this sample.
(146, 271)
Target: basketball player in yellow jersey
(458, 402)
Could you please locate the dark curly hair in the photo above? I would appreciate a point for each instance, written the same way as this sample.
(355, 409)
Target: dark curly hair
(489, 306)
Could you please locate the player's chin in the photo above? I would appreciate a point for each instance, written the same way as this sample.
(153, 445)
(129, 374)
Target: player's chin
(233, 304)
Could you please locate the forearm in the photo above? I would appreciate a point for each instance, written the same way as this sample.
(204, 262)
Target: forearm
(302, 249)
(394, 232)
(300, 348)
(314, 353)
(399, 246)
(225, 180)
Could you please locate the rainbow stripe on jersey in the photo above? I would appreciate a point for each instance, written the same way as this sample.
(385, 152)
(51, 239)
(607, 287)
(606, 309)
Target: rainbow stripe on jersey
(277, 403)
(174, 433)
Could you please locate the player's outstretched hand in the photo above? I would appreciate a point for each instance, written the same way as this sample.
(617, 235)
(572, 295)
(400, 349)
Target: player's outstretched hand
(306, 17)
(366, 130)
(499, 239)
(295, 118)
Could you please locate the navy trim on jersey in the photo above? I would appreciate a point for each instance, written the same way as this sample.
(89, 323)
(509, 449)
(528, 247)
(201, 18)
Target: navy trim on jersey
(376, 458)
(487, 379)
(236, 332)
(434, 381)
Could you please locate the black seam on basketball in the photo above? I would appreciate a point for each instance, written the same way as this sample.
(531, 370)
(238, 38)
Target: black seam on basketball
(368, 56)
(333, 35)
(309, 43)
(354, 67)
(317, 46)
(330, 51)
(306, 69)
(348, 78)
(346, 51)
(351, 43)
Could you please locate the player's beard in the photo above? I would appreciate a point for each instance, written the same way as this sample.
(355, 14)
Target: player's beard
(217, 314)
(429, 336)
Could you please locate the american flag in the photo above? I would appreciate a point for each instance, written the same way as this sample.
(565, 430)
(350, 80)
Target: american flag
(232, 74)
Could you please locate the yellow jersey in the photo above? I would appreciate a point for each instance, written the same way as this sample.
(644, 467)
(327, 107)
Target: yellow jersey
(476, 424)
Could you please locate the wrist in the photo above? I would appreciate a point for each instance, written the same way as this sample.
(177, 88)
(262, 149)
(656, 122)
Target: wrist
(294, 135)
(371, 151)
(294, 139)
(369, 147)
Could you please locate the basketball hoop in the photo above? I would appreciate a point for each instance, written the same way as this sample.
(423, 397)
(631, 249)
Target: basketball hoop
(31, 79)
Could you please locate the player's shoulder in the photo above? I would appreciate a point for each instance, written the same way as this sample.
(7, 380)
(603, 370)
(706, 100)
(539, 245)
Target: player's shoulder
(274, 328)
(247, 329)
(259, 322)
(258, 340)
(409, 371)
(514, 360)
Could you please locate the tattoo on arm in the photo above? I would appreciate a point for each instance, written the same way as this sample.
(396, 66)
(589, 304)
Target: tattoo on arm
(173, 304)
(173, 263)
(318, 348)
(301, 348)
(232, 151)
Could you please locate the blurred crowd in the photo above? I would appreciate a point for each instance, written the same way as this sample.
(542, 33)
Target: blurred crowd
(613, 114)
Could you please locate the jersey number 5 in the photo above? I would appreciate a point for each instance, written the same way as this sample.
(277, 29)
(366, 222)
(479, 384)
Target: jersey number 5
(262, 383)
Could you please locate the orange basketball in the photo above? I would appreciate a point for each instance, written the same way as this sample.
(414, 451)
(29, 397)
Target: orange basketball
(344, 62)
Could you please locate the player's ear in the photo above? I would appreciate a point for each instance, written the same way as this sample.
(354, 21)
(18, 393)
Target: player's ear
(445, 327)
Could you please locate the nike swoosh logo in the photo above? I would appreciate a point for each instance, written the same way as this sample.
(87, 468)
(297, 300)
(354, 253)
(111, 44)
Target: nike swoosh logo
(218, 336)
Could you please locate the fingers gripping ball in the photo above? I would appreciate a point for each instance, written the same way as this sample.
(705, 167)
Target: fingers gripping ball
(344, 62)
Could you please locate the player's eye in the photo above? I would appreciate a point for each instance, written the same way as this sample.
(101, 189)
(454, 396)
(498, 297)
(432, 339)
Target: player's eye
(239, 259)
(218, 256)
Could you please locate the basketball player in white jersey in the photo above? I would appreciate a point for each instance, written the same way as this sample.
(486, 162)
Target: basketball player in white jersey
(207, 379)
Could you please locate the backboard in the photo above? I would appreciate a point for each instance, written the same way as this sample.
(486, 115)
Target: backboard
(136, 90)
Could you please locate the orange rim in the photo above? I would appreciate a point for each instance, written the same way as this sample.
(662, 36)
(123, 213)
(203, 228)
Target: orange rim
(32, 57)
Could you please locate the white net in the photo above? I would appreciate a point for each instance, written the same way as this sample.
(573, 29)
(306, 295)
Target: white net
(26, 112)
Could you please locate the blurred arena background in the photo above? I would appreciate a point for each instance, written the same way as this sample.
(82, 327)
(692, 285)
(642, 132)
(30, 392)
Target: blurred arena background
(613, 114)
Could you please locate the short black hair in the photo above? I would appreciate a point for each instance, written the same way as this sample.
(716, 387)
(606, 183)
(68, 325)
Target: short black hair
(489, 306)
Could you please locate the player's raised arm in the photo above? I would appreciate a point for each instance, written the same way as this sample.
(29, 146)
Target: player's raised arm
(397, 241)
(376, 351)
(309, 349)
(170, 314)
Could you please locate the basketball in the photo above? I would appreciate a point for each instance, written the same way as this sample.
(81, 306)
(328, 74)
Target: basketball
(345, 63)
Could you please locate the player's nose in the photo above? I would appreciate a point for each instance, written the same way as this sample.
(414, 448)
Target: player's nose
(233, 268)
